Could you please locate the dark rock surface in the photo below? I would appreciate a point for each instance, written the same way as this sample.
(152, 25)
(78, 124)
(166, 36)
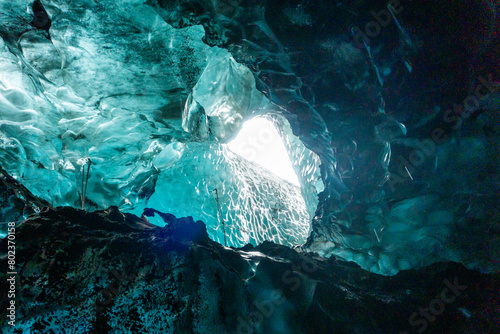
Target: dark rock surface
(16, 202)
(108, 272)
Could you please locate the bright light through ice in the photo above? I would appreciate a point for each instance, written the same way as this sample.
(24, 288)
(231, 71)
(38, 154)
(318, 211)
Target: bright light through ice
(258, 141)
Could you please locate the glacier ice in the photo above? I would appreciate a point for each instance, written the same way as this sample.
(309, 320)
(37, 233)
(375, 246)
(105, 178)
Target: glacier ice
(134, 92)
(117, 102)
(107, 97)
(256, 205)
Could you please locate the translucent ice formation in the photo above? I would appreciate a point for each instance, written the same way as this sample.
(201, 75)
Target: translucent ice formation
(113, 95)
(217, 181)
(104, 103)
(109, 101)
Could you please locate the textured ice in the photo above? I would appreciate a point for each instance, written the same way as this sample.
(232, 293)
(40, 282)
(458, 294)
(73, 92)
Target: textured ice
(112, 91)
(410, 235)
(256, 204)
(154, 114)
(113, 97)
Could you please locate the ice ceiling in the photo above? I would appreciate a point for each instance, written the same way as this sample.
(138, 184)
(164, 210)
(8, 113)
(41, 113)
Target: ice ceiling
(213, 110)
(156, 113)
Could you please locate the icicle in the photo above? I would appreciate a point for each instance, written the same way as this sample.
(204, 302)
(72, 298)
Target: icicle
(406, 35)
(85, 181)
(408, 66)
(409, 174)
(372, 61)
(220, 214)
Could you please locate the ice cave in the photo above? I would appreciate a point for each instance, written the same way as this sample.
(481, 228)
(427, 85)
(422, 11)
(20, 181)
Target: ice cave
(250, 166)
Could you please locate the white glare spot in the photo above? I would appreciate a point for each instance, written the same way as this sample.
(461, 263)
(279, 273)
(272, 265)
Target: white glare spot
(259, 142)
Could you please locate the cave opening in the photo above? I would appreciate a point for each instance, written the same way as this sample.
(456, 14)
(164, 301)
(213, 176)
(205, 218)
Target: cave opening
(258, 141)
(231, 186)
